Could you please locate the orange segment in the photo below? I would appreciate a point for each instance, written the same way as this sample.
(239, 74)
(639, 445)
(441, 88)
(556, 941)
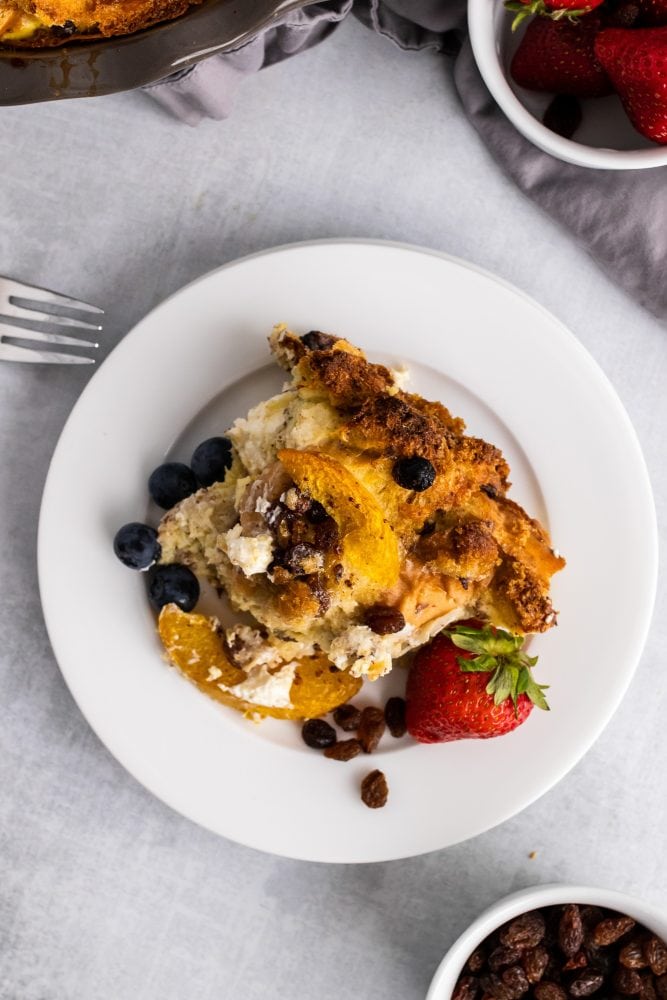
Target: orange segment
(194, 645)
(369, 544)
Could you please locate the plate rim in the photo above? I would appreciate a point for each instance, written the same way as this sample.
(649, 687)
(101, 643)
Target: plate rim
(651, 572)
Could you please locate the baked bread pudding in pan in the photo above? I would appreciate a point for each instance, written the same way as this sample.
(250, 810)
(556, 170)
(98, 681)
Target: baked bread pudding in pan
(38, 23)
(357, 520)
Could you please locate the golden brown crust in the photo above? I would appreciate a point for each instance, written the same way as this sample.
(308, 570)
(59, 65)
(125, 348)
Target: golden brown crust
(71, 20)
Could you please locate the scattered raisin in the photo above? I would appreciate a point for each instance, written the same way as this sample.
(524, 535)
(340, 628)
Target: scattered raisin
(655, 953)
(347, 717)
(371, 728)
(327, 536)
(570, 930)
(394, 716)
(343, 750)
(585, 984)
(384, 620)
(610, 930)
(374, 790)
(318, 734)
(524, 932)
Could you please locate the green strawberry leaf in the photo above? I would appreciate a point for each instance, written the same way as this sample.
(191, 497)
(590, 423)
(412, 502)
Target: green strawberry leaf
(499, 653)
(481, 664)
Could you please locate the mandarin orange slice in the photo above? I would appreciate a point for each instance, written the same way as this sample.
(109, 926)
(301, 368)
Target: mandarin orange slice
(370, 546)
(194, 645)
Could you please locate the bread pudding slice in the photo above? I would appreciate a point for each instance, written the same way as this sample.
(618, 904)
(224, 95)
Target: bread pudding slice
(358, 519)
(37, 23)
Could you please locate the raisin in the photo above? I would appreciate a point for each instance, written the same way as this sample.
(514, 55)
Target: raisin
(303, 559)
(477, 960)
(317, 513)
(466, 988)
(631, 956)
(318, 734)
(655, 953)
(515, 980)
(494, 987)
(315, 340)
(549, 991)
(343, 750)
(578, 961)
(523, 932)
(384, 620)
(490, 490)
(414, 473)
(503, 956)
(585, 984)
(610, 930)
(327, 536)
(570, 930)
(371, 728)
(394, 716)
(627, 981)
(648, 991)
(661, 986)
(347, 717)
(374, 790)
(534, 962)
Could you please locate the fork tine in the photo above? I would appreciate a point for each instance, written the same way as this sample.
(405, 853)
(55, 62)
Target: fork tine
(22, 333)
(23, 312)
(10, 352)
(24, 291)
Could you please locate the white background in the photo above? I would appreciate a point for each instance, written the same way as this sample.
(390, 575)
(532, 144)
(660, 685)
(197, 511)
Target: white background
(104, 892)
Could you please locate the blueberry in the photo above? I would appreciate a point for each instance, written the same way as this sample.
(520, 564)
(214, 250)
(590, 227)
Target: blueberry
(173, 584)
(414, 473)
(170, 483)
(136, 545)
(211, 459)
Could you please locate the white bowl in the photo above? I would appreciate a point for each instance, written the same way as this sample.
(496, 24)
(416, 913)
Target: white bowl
(444, 980)
(605, 140)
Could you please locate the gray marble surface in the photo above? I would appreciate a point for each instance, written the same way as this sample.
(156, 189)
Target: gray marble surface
(104, 892)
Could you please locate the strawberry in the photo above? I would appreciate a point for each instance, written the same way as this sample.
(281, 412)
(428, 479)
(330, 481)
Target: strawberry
(470, 683)
(652, 13)
(636, 62)
(557, 10)
(559, 56)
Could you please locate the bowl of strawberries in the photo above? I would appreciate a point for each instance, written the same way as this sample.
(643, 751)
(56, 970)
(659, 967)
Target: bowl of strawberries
(584, 80)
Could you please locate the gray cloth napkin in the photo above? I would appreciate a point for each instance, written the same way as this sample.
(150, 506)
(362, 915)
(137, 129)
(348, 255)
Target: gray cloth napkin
(620, 217)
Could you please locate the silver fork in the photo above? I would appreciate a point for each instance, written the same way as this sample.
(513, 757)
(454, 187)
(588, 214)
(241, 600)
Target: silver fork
(13, 294)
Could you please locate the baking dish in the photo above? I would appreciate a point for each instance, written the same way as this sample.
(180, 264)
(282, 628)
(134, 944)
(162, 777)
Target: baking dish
(110, 65)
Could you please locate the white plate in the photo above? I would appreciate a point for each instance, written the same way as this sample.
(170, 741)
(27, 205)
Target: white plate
(494, 357)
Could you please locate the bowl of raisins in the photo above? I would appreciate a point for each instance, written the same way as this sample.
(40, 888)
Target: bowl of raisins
(559, 942)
